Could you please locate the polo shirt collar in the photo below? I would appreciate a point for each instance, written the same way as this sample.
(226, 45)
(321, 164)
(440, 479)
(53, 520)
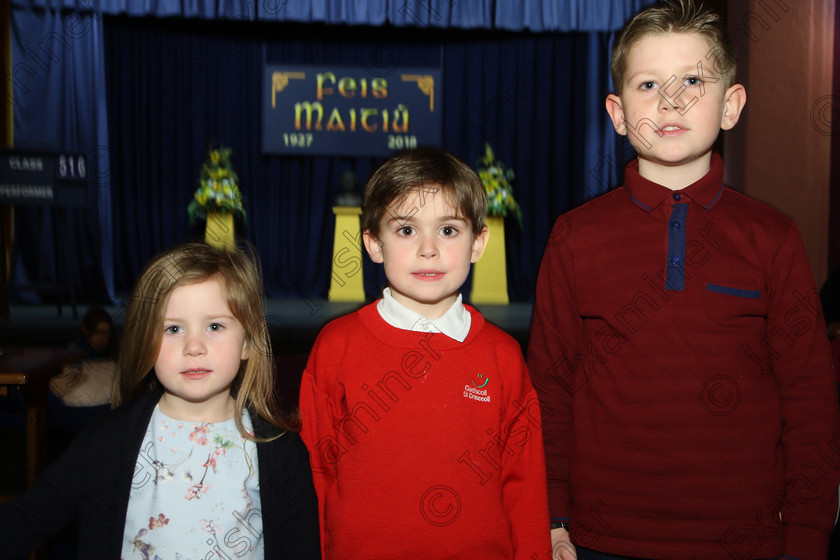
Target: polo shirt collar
(455, 323)
(647, 195)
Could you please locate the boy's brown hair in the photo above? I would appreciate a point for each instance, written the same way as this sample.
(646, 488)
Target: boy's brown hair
(423, 169)
(676, 16)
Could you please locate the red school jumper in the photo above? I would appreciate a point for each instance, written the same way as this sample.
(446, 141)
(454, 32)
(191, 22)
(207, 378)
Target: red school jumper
(422, 446)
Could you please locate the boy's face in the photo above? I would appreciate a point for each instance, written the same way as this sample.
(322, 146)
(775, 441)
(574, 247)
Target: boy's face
(427, 248)
(672, 104)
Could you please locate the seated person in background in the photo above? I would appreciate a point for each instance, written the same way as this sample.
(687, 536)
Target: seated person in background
(95, 341)
(90, 381)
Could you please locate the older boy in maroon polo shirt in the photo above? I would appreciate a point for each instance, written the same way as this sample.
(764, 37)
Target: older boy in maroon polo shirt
(677, 344)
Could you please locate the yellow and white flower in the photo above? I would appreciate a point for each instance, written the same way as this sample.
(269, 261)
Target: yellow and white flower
(218, 187)
(497, 183)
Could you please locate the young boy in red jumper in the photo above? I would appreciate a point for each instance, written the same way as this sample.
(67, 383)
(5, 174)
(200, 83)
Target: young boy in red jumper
(421, 422)
(677, 344)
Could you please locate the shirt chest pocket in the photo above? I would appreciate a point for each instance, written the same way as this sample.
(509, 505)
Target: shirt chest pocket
(734, 299)
(734, 291)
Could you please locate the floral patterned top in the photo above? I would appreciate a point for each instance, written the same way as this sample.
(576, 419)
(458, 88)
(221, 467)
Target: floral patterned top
(198, 496)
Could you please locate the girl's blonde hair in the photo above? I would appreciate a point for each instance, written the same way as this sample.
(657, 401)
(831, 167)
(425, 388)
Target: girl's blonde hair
(192, 263)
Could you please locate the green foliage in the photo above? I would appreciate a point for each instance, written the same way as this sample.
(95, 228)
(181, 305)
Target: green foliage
(218, 187)
(497, 183)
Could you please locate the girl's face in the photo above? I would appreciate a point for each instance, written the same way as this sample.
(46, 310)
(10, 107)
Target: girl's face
(201, 350)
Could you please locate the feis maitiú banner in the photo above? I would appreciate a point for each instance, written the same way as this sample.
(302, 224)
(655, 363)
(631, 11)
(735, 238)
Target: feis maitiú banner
(347, 111)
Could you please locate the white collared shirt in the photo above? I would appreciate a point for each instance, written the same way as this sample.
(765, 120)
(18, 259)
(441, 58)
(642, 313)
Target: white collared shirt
(455, 323)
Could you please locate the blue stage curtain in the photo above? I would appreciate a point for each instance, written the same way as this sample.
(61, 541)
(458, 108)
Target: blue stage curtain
(537, 99)
(511, 15)
(173, 86)
(59, 104)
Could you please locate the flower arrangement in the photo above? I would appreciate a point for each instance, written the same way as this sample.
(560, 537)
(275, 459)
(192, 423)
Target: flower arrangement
(497, 183)
(219, 187)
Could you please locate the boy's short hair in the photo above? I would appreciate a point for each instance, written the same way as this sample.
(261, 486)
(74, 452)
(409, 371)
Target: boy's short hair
(425, 169)
(676, 16)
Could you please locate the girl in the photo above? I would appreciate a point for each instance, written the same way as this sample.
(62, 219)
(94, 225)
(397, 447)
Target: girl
(195, 461)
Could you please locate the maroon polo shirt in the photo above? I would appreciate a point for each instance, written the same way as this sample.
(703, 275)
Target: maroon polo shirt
(680, 356)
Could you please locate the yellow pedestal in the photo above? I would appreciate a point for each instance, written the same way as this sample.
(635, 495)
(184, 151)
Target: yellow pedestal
(346, 278)
(489, 280)
(219, 231)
